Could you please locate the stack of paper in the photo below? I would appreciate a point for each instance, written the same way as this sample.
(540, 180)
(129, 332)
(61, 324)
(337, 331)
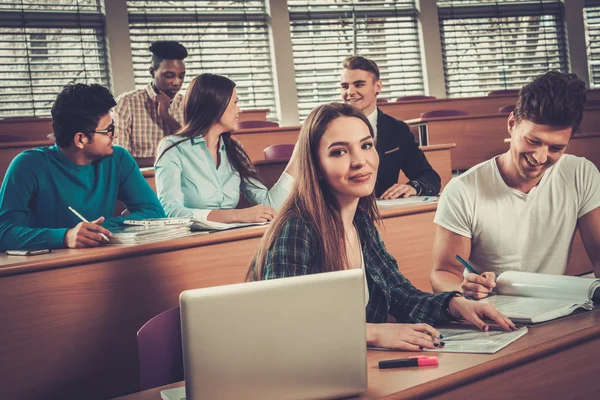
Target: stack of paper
(148, 234)
(471, 340)
(194, 224)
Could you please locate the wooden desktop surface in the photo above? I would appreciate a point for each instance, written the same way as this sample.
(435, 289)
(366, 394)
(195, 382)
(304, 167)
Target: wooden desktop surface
(480, 137)
(69, 318)
(557, 360)
(412, 109)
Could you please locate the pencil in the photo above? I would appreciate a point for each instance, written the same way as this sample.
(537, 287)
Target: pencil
(466, 264)
(81, 217)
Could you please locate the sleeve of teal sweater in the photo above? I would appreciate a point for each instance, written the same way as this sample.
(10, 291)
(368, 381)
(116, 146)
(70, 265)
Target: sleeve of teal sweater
(136, 194)
(19, 187)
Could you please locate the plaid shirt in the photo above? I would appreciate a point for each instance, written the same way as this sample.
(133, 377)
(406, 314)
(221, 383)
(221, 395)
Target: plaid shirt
(390, 293)
(137, 123)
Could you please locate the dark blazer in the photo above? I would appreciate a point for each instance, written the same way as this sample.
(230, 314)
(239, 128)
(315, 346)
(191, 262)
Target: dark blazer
(398, 151)
(390, 293)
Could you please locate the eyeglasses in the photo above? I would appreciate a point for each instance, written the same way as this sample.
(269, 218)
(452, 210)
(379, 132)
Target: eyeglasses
(110, 131)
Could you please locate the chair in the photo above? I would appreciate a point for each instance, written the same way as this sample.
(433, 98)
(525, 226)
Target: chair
(416, 97)
(160, 350)
(12, 138)
(257, 124)
(443, 113)
(507, 109)
(503, 91)
(279, 152)
(382, 100)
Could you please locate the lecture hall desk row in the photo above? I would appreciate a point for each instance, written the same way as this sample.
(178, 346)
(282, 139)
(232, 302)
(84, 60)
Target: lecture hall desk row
(69, 318)
(38, 128)
(557, 360)
(478, 137)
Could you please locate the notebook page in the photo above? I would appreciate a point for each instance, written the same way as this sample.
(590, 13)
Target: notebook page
(528, 284)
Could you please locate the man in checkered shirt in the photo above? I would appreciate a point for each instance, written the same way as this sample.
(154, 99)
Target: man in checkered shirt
(143, 117)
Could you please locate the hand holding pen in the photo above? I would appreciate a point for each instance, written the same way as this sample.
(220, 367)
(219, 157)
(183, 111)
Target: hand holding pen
(86, 234)
(476, 285)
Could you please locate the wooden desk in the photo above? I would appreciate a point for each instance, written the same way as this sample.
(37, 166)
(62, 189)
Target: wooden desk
(9, 150)
(557, 360)
(412, 109)
(257, 114)
(478, 137)
(69, 318)
(257, 139)
(30, 128)
(405, 110)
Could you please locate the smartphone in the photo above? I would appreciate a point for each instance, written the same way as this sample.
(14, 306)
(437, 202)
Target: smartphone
(27, 252)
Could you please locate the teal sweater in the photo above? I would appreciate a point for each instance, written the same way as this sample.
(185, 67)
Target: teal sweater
(42, 183)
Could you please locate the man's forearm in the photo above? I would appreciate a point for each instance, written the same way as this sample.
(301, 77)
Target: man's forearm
(445, 281)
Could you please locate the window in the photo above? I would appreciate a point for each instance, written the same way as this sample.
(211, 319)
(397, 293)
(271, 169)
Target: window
(591, 15)
(229, 38)
(327, 31)
(45, 44)
(491, 45)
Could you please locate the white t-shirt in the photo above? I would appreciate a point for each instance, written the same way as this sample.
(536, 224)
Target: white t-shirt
(511, 230)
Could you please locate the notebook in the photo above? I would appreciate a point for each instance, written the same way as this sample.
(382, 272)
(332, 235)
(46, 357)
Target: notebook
(529, 298)
(148, 234)
(302, 337)
(194, 224)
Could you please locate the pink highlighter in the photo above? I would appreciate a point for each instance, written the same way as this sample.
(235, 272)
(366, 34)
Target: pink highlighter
(414, 361)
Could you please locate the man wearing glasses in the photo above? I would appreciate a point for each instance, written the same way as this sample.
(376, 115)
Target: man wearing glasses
(83, 170)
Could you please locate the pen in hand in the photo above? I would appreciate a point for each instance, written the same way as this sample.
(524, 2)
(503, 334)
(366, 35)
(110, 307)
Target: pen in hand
(470, 268)
(82, 218)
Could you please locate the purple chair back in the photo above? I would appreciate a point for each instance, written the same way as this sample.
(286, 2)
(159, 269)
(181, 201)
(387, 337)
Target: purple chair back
(416, 97)
(443, 113)
(503, 91)
(12, 138)
(257, 124)
(382, 100)
(279, 152)
(160, 350)
(592, 103)
(507, 109)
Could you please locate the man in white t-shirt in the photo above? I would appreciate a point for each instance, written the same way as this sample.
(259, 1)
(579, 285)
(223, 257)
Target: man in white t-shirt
(520, 210)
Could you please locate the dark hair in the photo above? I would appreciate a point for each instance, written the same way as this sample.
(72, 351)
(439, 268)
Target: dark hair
(166, 50)
(206, 99)
(554, 98)
(362, 63)
(78, 108)
(312, 200)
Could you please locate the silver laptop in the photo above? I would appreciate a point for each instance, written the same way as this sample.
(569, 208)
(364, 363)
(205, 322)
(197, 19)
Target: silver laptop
(292, 338)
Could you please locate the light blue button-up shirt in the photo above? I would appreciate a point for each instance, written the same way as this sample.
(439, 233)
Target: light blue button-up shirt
(190, 185)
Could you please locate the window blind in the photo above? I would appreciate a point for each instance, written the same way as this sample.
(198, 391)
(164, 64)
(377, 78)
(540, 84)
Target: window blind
(43, 46)
(591, 14)
(229, 38)
(491, 45)
(325, 32)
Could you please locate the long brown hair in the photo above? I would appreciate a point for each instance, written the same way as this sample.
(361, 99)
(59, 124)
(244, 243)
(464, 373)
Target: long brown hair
(205, 101)
(312, 200)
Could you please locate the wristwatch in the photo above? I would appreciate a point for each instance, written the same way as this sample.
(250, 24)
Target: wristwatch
(417, 186)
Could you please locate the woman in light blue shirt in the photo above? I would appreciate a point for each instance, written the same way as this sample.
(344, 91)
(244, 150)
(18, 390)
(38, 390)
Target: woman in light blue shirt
(201, 171)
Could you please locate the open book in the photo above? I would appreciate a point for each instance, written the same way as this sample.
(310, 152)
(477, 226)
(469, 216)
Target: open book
(529, 298)
(193, 224)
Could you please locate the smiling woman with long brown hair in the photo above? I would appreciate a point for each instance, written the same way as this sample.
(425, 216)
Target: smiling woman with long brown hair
(328, 224)
(201, 171)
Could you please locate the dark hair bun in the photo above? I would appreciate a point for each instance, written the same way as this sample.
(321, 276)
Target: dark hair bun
(168, 50)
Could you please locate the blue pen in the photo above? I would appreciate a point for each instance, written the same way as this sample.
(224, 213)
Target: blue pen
(466, 264)
(426, 198)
